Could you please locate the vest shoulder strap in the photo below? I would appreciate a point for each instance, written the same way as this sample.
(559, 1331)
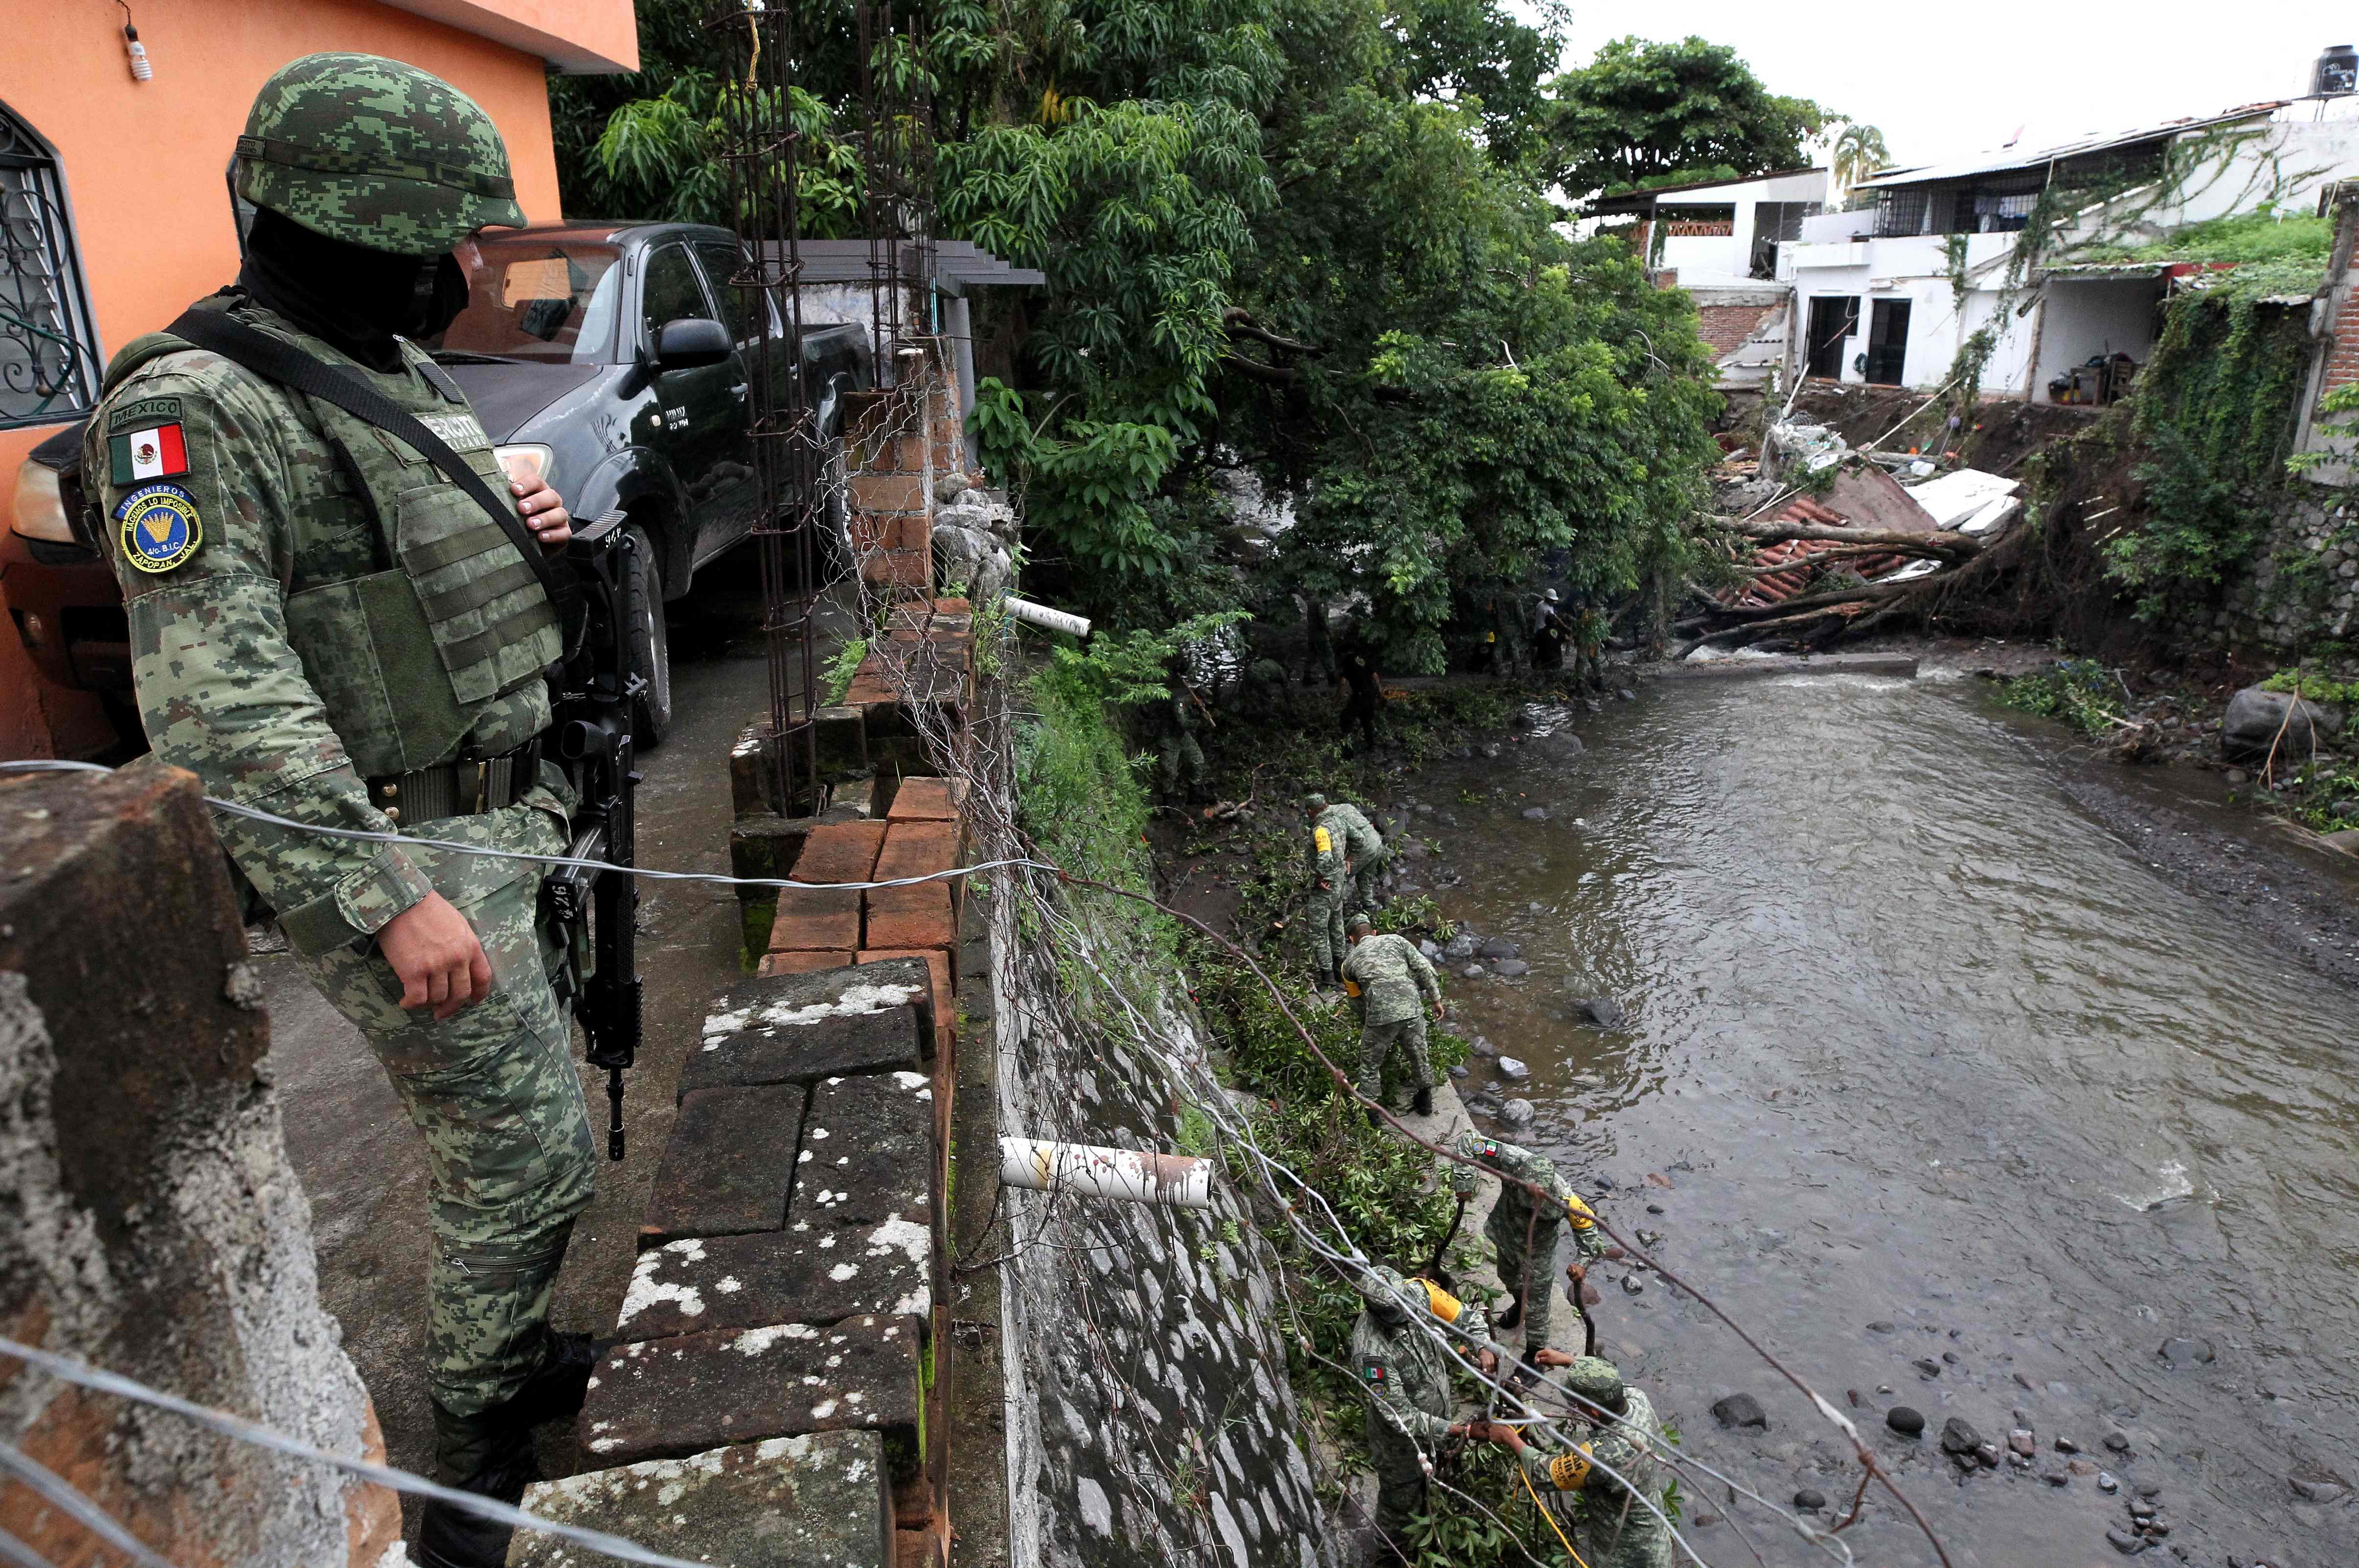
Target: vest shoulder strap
(275, 360)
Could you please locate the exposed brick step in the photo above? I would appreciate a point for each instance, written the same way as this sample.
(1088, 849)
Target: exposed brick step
(668, 1397)
(781, 1503)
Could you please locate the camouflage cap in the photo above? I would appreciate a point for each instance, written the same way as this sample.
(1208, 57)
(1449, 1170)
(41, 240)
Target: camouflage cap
(1314, 802)
(374, 153)
(1385, 1288)
(1594, 1379)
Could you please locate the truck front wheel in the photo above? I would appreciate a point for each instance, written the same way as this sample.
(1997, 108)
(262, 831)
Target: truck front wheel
(650, 642)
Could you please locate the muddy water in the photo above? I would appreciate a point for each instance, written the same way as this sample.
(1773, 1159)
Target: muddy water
(1915, 1043)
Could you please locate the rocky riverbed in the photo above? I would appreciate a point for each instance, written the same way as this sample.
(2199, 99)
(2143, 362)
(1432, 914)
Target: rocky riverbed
(1994, 1087)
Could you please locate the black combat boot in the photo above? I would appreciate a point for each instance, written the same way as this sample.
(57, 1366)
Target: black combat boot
(1425, 1100)
(452, 1537)
(492, 1455)
(1512, 1316)
(1374, 1119)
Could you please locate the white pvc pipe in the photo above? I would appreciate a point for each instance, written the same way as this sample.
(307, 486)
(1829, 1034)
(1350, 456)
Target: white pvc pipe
(1172, 1181)
(1025, 610)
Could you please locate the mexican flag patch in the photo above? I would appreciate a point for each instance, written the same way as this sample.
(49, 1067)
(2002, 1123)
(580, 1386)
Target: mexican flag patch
(155, 452)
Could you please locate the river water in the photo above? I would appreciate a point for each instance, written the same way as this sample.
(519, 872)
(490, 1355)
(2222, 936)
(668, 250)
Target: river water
(1935, 1067)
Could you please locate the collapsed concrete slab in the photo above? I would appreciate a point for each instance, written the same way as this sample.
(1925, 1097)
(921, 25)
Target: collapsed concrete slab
(665, 1398)
(799, 1029)
(783, 1503)
(870, 1143)
(730, 1165)
(814, 1275)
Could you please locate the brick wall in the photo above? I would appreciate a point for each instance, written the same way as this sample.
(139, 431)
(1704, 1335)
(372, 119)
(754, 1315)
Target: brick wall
(149, 1221)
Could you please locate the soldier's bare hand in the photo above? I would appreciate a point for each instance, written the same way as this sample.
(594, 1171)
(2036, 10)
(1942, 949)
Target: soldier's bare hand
(542, 509)
(438, 957)
(1549, 1356)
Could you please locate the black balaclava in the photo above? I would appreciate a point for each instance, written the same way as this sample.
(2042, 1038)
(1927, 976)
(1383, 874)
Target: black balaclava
(353, 299)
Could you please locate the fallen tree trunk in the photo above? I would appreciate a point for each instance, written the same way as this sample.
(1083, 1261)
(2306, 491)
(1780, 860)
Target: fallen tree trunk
(1939, 546)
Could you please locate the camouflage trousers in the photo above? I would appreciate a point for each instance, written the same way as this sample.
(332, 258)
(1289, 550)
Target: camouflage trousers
(1179, 766)
(1325, 918)
(1507, 1229)
(494, 1093)
(1400, 1483)
(1380, 1042)
(1366, 874)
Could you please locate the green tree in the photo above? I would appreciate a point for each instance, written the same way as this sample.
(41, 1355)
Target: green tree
(1642, 111)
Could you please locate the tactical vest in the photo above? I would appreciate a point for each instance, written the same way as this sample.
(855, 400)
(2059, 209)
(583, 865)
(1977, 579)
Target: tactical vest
(409, 638)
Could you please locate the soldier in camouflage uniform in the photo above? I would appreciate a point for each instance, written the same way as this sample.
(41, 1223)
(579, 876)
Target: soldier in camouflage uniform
(1364, 853)
(1395, 985)
(1179, 760)
(1615, 1529)
(1513, 1219)
(326, 627)
(1330, 888)
(1406, 1374)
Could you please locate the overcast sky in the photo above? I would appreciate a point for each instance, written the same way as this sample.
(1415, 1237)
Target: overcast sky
(1943, 82)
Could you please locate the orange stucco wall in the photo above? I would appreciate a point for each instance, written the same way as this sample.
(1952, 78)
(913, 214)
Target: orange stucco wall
(144, 165)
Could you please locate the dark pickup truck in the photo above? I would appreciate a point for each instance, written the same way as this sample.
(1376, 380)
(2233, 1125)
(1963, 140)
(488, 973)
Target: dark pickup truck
(614, 357)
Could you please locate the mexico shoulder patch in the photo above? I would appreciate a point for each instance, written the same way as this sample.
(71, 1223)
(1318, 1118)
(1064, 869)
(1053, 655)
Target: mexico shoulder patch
(1372, 1371)
(160, 529)
(156, 450)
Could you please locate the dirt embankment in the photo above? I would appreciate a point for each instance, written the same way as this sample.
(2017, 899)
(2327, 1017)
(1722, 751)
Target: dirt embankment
(2001, 435)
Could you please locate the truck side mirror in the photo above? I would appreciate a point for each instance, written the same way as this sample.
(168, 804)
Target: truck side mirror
(690, 341)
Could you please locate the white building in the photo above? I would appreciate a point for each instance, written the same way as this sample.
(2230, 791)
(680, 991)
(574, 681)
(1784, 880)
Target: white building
(1891, 293)
(1721, 241)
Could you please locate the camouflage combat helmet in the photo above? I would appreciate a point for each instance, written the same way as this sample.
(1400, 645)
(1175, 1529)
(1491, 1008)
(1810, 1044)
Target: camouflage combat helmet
(374, 153)
(1385, 1288)
(1314, 802)
(1597, 1379)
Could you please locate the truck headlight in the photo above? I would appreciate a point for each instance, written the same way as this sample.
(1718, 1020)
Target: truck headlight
(526, 461)
(40, 506)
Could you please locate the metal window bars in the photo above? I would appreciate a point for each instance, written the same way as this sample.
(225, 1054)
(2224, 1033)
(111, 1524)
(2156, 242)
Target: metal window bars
(49, 343)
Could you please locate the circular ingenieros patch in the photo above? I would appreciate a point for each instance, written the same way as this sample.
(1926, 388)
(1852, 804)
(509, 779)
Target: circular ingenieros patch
(160, 529)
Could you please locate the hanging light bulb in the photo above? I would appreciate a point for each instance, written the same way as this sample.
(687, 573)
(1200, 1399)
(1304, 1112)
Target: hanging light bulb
(142, 68)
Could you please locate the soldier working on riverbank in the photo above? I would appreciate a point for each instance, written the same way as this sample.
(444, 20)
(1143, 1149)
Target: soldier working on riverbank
(1395, 985)
(1364, 853)
(1330, 888)
(1516, 1217)
(1621, 1434)
(1404, 1371)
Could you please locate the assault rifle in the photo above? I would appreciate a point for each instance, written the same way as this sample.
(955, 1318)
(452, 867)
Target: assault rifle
(598, 976)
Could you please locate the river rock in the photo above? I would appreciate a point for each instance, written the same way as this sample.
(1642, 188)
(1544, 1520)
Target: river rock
(1535, 813)
(1509, 968)
(1423, 810)
(1927, 1366)
(1514, 1069)
(1904, 1420)
(1426, 945)
(1482, 1105)
(2186, 1352)
(2119, 1441)
(2149, 1489)
(1499, 947)
(1631, 1285)
(2020, 1440)
(1460, 947)
(2256, 719)
(1491, 751)
(1881, 1325)
(1458, 1070)
(1740, 1410)
(1810, 1500)
(2066, 1445)
(1602, 1011)
(1471, 972)
(2125, 1543)
(1481, 1046)
(1958, 1436)
(2317, 1488)
(1516, 1113)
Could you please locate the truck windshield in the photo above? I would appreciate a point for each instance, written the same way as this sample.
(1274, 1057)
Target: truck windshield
(536, 299)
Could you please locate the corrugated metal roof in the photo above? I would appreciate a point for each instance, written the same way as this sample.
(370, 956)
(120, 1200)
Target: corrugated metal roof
(2008, 158)
(1639, 201)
